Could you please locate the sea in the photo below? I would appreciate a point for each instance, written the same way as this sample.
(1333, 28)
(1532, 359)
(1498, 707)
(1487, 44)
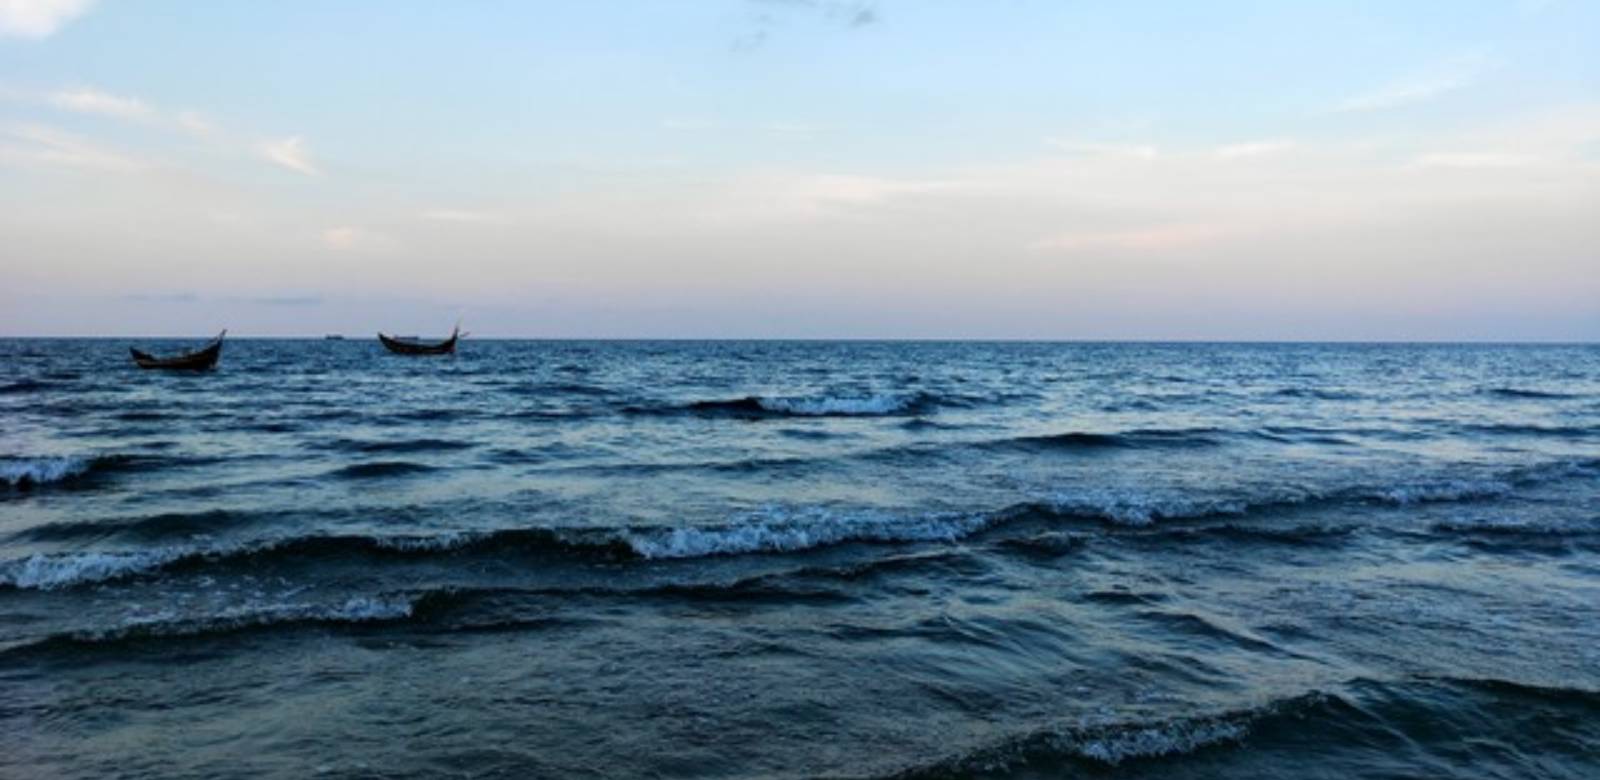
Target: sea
(768, 559)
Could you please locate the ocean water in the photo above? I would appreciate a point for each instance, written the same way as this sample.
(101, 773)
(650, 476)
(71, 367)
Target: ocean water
(765, 559)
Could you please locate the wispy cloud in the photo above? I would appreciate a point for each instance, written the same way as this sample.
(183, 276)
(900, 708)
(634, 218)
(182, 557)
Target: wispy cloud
(1474, 160)
(162, 297)
(1252, 149)
(194, 123)
(41, 145)
(463, 216)
(89, 100)
(1438, 80)
(285, 300)
(93, 101)
(1131, 151)
(1153, 238)
(349, 238)
(38, 18)
(290, 153)
(851, 14)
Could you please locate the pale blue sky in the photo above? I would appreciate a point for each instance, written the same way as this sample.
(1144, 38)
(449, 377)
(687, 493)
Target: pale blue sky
(770, 168)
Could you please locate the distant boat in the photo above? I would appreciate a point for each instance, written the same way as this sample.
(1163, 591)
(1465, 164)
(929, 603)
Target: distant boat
(409, 345)
(333, 337)
(202, 359)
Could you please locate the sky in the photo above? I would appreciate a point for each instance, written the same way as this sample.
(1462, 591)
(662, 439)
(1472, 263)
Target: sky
(1027, 169)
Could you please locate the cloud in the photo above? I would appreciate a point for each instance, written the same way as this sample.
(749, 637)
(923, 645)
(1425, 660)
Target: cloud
(1153, 238)
(38, 18)
(1439, 80)
(88, 100)
(285, 300)
(850, 14)
(1252, 149)
(40, 145)
(166, 297)
(1134, 151)
(349, 238)
(1474, 160)
(462, 216)
(93, 101)
(863, 16)
(290, 153)
(194, 123)
(1400, 94)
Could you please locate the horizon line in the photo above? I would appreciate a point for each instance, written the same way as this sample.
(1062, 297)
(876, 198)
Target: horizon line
(861, 339)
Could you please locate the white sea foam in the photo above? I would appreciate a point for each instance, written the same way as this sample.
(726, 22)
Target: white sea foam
(48, 572)
(438, 543)
(848, 406)
(1449, 490)
(38, 471)
(360, 609)
(1134, 508)
(782, 531)
(1169, 739)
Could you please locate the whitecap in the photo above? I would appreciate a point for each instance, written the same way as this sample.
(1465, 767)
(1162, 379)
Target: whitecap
(777, 531)
(20, 472)
(48, 572)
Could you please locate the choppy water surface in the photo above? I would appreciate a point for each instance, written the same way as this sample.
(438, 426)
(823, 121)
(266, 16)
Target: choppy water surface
(801, 559)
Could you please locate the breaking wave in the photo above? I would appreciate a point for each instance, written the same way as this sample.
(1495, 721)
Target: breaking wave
(775, 531)
(25, 473)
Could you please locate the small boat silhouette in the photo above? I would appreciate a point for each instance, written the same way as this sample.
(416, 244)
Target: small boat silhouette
(202, 359)
(410, 346)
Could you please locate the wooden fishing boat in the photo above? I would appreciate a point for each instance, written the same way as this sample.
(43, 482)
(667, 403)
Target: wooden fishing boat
(405, 346)
(203, 359)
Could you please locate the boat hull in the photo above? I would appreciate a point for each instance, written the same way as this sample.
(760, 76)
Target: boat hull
(200, 360)
(398, 347)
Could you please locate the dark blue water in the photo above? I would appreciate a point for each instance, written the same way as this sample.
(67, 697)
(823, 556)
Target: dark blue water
(801, 560)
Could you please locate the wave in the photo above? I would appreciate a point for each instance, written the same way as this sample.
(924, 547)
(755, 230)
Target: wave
(380, 469)
(354, 611)
(1142, 438)
(25, 386)
(1520, 538)
(142, 415)
(800, 531)
(52, 571)
(1343, 730)
(1318, 394)
(1105, 745)
(1138, 508)
(759, 407)
(401, 445)
(165, 525)
(1548, 431)
(778, 531)
(560, 388)
(1236, 533)
(26, 473)
(29, 472)
(1521, 393)
(449, 608)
